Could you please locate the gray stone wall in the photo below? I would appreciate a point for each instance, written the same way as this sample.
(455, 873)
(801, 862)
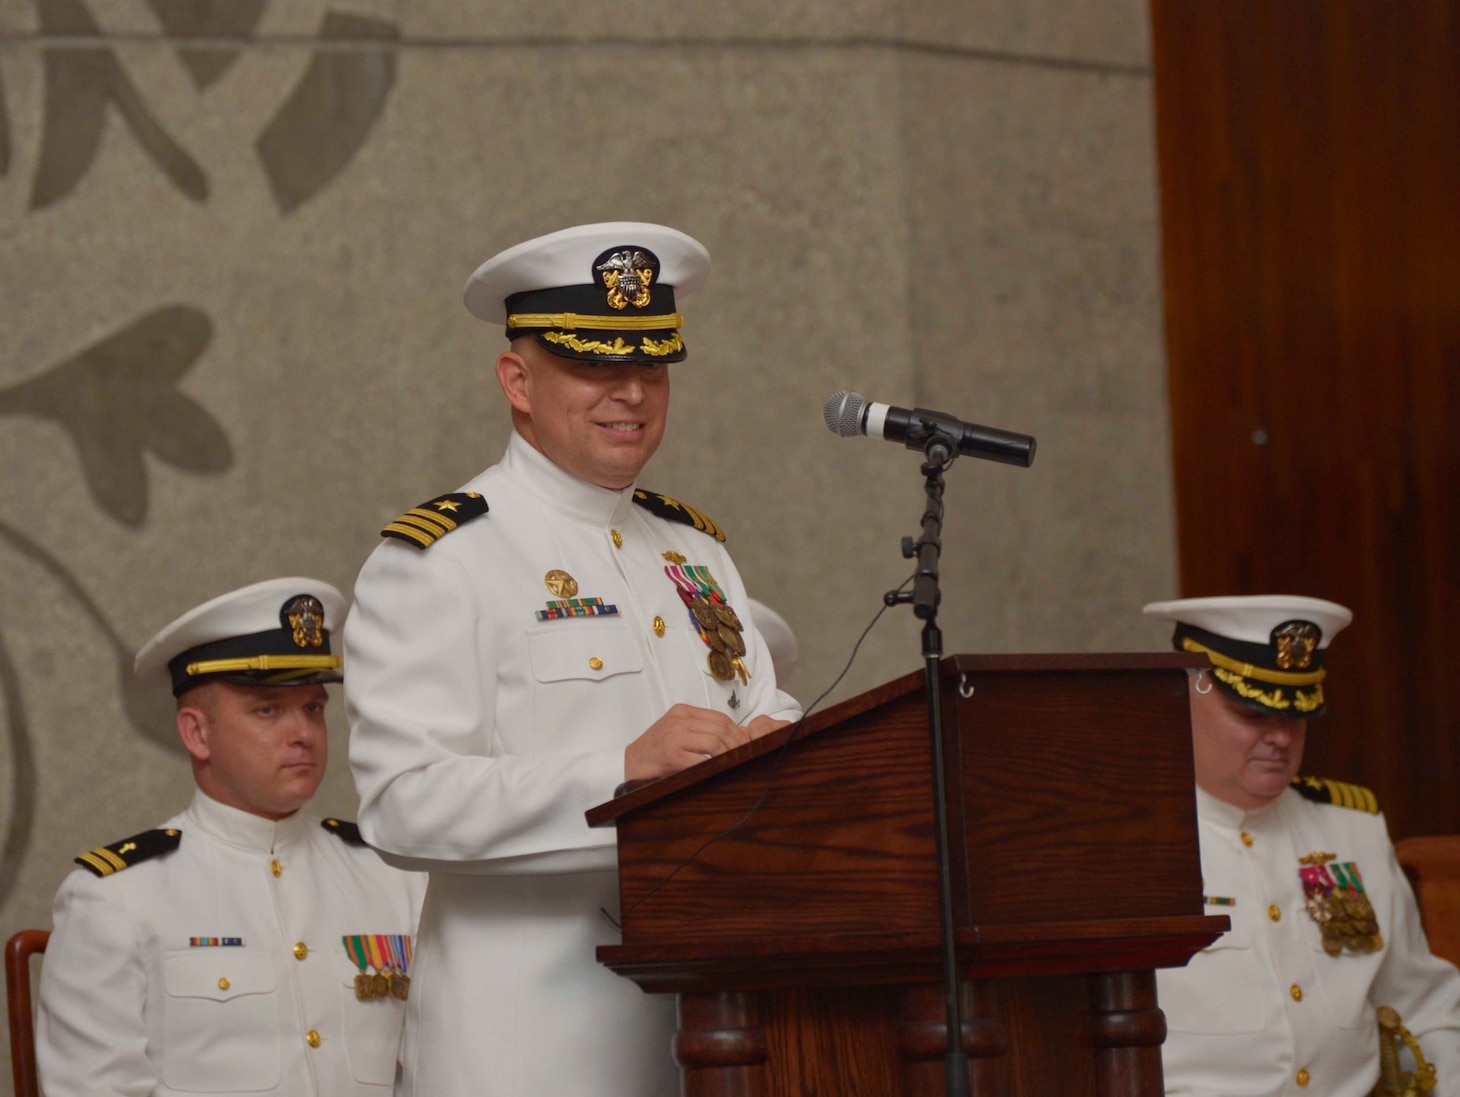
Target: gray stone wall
(234, 240)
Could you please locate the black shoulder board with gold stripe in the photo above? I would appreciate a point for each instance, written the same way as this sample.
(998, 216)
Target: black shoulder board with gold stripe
(672, 510)
(1340, 793)
(105, 860)
(426, 524)
(343, 828)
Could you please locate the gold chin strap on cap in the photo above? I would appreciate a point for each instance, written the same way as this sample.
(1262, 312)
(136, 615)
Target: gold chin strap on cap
(264, 662)
(1247, 670)
(570, 321)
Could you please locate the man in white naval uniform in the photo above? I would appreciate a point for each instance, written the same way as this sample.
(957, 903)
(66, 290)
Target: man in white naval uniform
(520, 648)
(213, 954)
(1325, 928)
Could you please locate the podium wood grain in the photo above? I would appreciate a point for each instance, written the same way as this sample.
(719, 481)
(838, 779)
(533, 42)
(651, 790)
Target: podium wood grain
(787, 891)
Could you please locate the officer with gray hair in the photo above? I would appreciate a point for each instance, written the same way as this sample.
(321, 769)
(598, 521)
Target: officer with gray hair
(1325, 929)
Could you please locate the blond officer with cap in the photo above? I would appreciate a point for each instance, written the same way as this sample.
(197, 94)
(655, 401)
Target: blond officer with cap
(1325, 929)
(521, 647)
(244, 945)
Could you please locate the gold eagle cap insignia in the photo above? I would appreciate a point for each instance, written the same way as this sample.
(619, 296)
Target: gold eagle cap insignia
(627, 275)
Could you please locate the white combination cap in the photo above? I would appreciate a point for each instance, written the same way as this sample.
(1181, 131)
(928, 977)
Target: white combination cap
(1266, 650)
(597, 293)
(272, 633)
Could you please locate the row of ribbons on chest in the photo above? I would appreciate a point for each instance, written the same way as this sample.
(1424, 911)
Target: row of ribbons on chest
(710, 613)
(384, 960)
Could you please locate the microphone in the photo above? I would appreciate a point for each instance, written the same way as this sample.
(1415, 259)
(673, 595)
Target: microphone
(849, 414)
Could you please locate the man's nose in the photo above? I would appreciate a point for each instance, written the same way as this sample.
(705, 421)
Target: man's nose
(629, 386)
(302, 729)
(1278, 734)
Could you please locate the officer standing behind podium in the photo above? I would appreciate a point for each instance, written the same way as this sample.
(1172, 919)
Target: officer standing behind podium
(1325, 928)
(522, 646)
(244, 945)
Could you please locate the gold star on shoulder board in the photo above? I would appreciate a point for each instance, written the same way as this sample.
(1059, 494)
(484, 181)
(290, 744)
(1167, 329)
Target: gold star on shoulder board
(423, 526)
(672, 510)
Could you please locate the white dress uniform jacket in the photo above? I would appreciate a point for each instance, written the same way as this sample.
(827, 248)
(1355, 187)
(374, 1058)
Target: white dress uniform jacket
(479, 737)
(1263, 1009)
(128, 1005)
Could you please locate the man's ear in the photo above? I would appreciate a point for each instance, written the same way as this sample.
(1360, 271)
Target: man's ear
(515, 377)
(193, 730)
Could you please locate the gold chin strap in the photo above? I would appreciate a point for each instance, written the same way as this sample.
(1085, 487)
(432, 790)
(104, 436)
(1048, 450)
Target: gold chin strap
(1247, 670)
(265, 662)
(570, 321)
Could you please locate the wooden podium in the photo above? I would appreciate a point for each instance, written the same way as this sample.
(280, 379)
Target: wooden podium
(788, 892)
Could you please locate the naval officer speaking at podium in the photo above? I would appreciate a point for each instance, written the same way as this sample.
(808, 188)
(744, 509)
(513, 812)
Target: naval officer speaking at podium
(520, 647)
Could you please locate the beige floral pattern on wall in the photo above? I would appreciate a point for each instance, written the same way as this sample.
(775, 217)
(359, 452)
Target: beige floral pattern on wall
(118, 399)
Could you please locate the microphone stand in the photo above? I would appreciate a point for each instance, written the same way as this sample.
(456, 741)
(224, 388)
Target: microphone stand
(939, 450)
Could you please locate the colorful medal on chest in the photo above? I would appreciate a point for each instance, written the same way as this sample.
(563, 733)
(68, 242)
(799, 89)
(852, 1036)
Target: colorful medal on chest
(717, 623)
(1338, 903)
(390, 955)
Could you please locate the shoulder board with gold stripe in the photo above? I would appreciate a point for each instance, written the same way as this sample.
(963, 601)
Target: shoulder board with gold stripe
(426, 524)
(1339, 793)
(343, 829)
(105, 860)
(672, 510)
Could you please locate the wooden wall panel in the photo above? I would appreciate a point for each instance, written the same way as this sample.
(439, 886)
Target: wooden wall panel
(1310, 186)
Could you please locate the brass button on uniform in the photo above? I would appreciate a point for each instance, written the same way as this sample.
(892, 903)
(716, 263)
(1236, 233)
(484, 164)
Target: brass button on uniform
(276, 868)
(1246, 838)
(1303, 1077)
(1275, 913)
(658, 626)
(595, 663)
(1296, 991)
(223, 983)
(312, 1038)
(301, 950)
(618, 538)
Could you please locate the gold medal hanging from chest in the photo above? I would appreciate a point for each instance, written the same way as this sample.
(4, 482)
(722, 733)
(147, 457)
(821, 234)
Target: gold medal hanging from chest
(1334, 894)
(398, 956)
(714, 618)
(360, 950)
(390, 955)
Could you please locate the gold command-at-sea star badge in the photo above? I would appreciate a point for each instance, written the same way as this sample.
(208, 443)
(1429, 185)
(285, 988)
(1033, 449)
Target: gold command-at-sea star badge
(560, 584)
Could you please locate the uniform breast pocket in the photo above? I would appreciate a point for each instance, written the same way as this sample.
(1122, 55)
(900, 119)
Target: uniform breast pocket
(1222, 991)
(1344, 981)
(220, 1021)
(581, 672)
(372, 1032)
